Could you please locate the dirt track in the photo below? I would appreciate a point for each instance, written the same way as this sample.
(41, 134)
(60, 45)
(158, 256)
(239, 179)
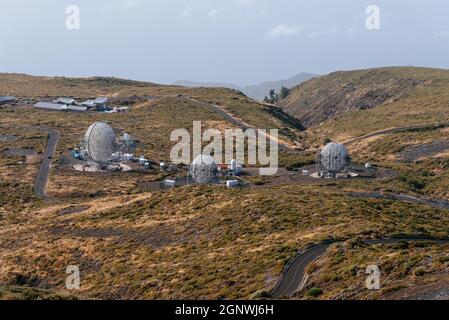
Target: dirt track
(424, 151)
(391, 130)
(237, 122)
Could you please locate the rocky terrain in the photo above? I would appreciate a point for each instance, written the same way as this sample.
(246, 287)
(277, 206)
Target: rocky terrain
(327, 97)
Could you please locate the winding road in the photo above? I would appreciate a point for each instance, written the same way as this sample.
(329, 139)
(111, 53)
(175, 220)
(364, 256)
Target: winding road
(294, 275)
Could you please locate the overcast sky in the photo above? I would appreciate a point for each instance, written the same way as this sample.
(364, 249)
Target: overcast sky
(239, 41)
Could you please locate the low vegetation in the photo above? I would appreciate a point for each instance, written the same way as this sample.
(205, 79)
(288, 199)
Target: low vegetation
(188, 242)
(384, 96)
(414, 270)
(208, 242)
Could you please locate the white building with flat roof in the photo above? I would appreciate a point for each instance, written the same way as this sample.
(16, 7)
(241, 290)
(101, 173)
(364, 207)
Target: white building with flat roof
(6, 99)
(101, 101)
(59, 107)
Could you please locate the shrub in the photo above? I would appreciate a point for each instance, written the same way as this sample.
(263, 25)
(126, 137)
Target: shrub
(315, 292)
(418, 272)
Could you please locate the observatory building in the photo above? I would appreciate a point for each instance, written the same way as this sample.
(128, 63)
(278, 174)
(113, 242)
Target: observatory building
(203, 170)
(99, 142)
(334, 162)
(101, 148)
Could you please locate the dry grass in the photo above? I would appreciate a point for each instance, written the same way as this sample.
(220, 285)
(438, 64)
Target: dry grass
(191, 242)
(194, 242)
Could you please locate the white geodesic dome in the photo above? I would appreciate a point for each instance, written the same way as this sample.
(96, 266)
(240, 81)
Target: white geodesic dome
(203, 169)
(100, 142)
(334, 158)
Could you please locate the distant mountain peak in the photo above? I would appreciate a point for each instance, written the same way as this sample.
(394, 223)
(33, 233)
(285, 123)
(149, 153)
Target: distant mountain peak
(257, 92)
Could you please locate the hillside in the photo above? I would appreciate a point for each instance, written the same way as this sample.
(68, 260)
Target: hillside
(145, 95)
(258, 91)
(197, 84)
(399, 90)
(194, 242)
(29, 293)
(207, 241)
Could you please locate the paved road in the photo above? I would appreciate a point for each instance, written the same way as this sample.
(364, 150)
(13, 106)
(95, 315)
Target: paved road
(294, 275)
(40, 186)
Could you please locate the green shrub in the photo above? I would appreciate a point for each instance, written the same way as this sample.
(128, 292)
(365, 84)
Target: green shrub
(315, 292)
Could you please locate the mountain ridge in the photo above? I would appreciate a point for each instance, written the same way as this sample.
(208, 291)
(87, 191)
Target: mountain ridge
(330, 96)
(257, 91)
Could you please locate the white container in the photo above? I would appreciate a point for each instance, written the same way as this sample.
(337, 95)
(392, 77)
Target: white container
(128, 156)
(305, 173)
(170, 183)
(233, 164)
(232, 183)
(238, 169)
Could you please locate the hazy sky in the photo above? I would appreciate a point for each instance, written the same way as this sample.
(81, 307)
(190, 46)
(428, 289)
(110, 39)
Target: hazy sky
(239, 41)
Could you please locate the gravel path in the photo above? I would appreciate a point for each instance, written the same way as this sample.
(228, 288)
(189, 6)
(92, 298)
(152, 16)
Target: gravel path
(424, 151)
